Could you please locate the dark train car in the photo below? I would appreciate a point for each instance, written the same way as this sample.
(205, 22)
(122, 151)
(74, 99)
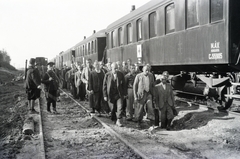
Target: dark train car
(199, 36)
(91, 47)
(194, 35)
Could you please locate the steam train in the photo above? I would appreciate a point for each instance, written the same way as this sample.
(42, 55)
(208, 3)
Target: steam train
(196, 41)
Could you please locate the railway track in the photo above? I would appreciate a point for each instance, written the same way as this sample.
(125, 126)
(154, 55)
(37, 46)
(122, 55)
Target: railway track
(75, 133)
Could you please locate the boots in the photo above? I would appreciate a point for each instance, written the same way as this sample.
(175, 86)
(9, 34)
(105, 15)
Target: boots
(54, 110)
(119, 123)
(169, 124)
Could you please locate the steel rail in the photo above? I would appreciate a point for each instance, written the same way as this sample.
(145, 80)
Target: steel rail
(110, 130)
(41, 135)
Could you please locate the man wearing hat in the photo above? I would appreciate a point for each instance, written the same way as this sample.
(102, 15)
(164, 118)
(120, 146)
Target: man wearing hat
(51, 83)
(32, 85)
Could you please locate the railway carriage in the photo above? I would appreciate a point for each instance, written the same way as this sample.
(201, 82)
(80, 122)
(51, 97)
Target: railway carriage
(91, 48)
(199, 38)
(197, 41)
(65, 58)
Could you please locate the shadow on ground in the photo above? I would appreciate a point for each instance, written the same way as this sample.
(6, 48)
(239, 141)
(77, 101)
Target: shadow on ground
(194, 120)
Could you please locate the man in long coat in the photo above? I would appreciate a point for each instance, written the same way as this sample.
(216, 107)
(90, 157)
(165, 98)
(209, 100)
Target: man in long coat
(79, 84)
(32, 85)
(114, 92)
(95, 86)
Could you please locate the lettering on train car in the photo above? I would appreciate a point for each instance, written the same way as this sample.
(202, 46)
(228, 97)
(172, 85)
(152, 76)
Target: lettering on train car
(215, 51)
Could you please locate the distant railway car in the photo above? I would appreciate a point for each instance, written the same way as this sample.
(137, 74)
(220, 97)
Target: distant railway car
(91, 47)
(65, 58)
(199, 37)
(59, 60)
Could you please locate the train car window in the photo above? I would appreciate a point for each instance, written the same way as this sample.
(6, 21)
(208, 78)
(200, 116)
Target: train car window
(89, 48)
(84, 50)
(92, 47)
(95, 46)
(216, 10)
(112, 39)
(192, 13)
(139, 29)
(152, 25)
(108, 41)
(80, 50)
(77, 51)
(120, 36)
(129, 33)
(170, 18)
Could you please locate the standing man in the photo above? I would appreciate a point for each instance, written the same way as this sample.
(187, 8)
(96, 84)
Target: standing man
(95, 87)
(137, 69)
(129, 62)
(125, 69)
(119, 66)
(143, 88)
(78, 84)
(63, 72)
(102, 67)
(33, 85)
(71, 75)
(109, 66)
(165, 101)
(51, 83)
(129, 79)
(85, 79)
(114, 92)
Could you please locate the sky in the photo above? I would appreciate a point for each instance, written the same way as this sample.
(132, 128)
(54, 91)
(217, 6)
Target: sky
(44, 28)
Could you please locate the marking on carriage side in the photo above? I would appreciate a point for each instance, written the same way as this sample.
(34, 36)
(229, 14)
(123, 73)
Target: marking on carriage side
(215, 51)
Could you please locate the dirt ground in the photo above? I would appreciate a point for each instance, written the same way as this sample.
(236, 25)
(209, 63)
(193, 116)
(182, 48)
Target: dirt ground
(196, 132)
(13, 110)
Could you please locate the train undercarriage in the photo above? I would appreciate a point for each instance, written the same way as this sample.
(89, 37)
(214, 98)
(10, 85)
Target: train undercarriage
(218, 88)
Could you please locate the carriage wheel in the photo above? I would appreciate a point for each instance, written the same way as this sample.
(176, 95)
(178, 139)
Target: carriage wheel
(226, 101)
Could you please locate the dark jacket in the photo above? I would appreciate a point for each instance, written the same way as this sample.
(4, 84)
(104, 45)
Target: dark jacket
(129, 79)
(50, 85)
(96, 81)
(164, 95)
(107, 84)
(33, 79)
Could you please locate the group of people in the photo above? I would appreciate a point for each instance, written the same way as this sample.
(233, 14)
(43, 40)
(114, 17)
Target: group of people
(121, 90)
(33, 81)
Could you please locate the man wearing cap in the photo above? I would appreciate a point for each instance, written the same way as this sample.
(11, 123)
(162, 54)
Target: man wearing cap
(51, 83)
(32, 85)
